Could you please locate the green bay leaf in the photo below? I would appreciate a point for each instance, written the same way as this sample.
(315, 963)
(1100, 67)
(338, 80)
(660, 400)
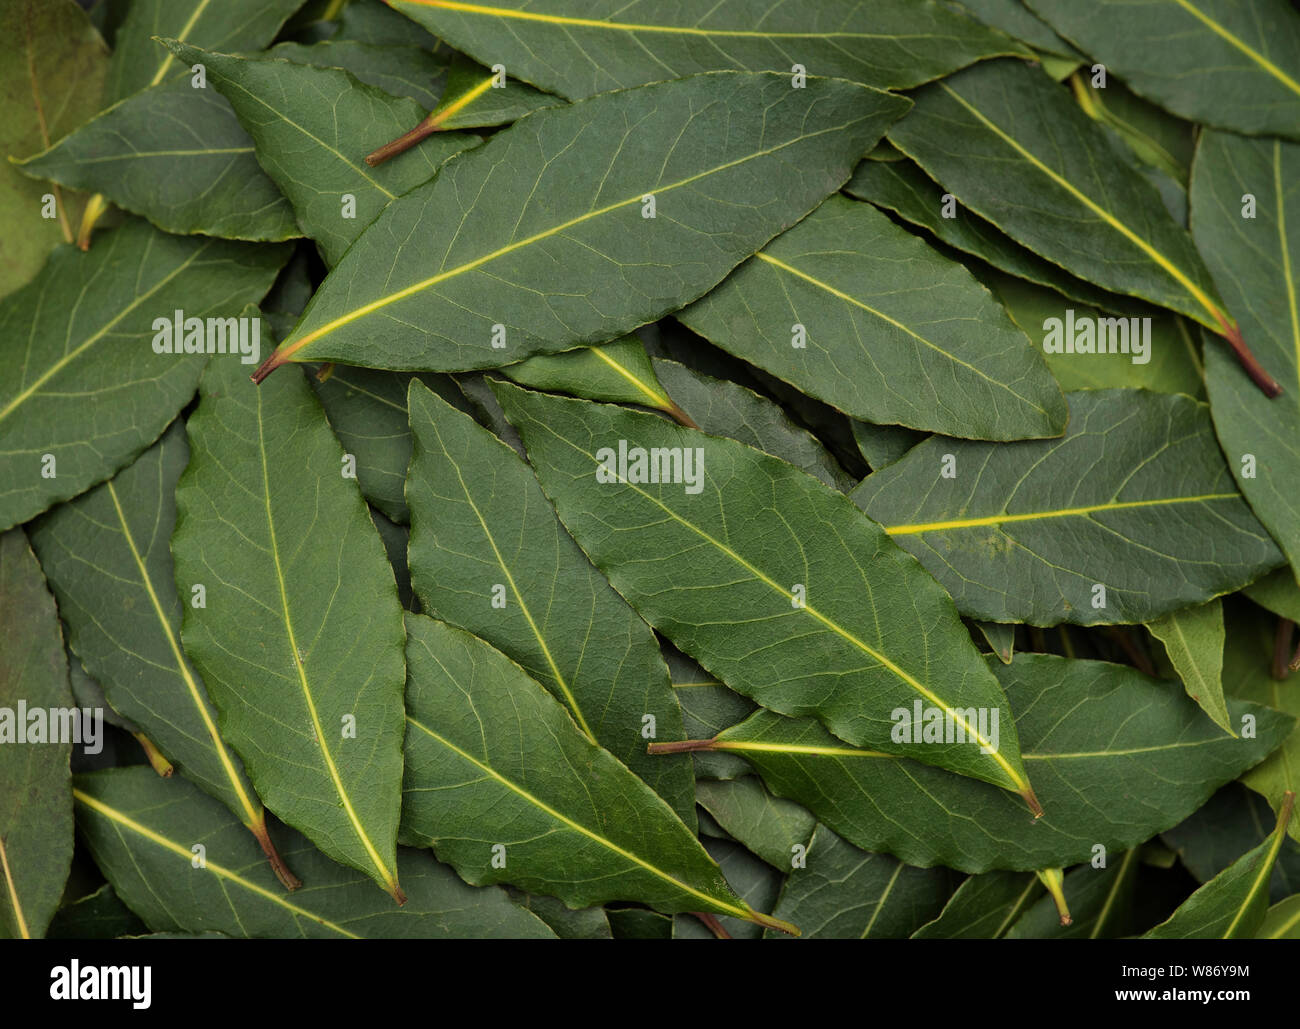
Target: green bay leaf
(300, 637)
(1089, 730)
(1256, 263)
(52, 68)
(833, 622)
(1015, 148)
(506, 788)
(537, 241)
(1234, 903)
(177, 156)
(1131, 500)
(489, 555)
(577, 49)
(1234, 64)
(108, 559)
(619, 372)
(35, 780)
(84, 384)
(1193, 639)
(142, 832)
(311, 127)
(855, 311)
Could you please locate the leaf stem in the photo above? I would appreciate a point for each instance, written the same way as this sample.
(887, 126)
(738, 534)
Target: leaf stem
(159, 763)
(1249, 363)
(290, 881)
(714, 926)
(403, 142)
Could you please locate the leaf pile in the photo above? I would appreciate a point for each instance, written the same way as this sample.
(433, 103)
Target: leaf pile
(607, 470)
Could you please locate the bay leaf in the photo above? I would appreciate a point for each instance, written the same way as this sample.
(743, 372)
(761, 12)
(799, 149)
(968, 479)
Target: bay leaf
(35, 779)
(1193, 639)
(1234, 903)
(183, 864)
(1234, 64)
(475, 98)
(884, 444)
(619, 372)
(1115, 756)
(311, 126)
(367, 411)
(984, 907)
(1001, 637)
(1017, 21)
(846, 306)
(545, 261)
(772, 828)
(1164, 352)
(1256, 263)
(903, 188)
(505, 787)
(1155, 136)
(1100, 901)
(1130, 500)
(724, 408)
(294, 570)
(489, 555)
(177, 156)
(52, 68)
(1282, 921)
(846, 893)
(755, 882)
(837, 623)
(88, 389)
(106, 555)
(234, 25)
(408, 70)
(577, 49)
(100, 915)
(1017, 150)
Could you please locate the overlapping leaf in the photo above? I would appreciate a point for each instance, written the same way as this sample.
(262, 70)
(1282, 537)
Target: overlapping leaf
(619, 372)
(505, 787)
(35, 781)
(1193, 639)
(311, 127)
(1256, 263)
(184, 865)
(178, 156)
(488, 554)
(565, 253)
(856, 311)
(580, 48)
(107, 557)
(85, 391)
(1014, 148)
(1230, 63)
(1110, 524)
(52, 67)
(1087, 729)
(300, 637)
(767, 577)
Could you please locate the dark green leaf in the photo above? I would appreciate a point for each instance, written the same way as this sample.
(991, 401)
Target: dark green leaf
(562, 254)
(984, 907)
(87, 388)
(310, 696)
(1131, 500)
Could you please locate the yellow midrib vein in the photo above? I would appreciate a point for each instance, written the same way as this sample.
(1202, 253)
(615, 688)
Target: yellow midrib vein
(441, 115)
(523, 606)
(880, 904)
(971, 732)
(621, 26)
(23, 931)
(817, 750)
(389, 876)
(290, 347)
(1265, 869)
(1241, 45)
(660, 400)
(848, 299)
(221, 871)
(1065, 512)
(541, 805)
(1219, 319)
(94, 338)
(185, 31)
(254, 817)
